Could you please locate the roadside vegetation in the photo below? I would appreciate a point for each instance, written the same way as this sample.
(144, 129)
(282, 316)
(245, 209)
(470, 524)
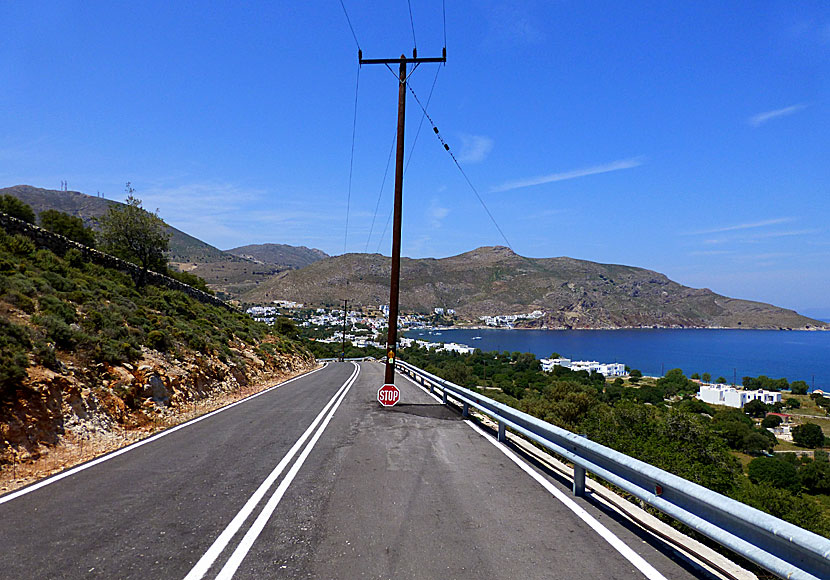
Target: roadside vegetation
(63, 316)
(60, 307)
(660, 422)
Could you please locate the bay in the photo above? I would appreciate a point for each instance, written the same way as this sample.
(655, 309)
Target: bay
(795, 355)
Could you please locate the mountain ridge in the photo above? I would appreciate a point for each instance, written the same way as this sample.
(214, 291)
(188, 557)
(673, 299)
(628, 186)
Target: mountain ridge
(494, 280)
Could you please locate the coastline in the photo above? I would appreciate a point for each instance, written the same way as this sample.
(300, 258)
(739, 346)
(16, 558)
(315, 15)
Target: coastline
(655, 327)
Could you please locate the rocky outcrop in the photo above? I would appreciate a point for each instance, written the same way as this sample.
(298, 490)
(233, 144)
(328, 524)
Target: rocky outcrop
(81, 403)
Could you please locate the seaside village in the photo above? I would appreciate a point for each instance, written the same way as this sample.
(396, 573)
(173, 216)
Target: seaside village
(363, 328)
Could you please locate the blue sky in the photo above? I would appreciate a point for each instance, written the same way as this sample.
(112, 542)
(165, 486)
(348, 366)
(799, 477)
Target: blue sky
(689, 138)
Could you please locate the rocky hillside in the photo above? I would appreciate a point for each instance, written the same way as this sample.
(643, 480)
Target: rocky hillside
(494, 280)
(283, 255)
(183, 247)
(228, 273)
(84, 352)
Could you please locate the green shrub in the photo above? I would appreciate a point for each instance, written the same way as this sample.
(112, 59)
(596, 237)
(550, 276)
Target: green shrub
(74, 258)
(23, 302)
(157, 340)
(56, 330)
(68, 226)
(52, 305)
(14, 344)
(16, 208)
(21, 246)
(776, 472)
(45, 355)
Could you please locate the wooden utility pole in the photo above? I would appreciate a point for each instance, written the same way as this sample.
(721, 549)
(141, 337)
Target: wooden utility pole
(394, 283)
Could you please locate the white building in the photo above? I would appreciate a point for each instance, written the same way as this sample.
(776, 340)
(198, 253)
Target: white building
(605, 369)
(732, 397)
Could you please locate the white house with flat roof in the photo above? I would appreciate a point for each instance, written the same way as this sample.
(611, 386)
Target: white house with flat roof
(732, 397)
(605, 369)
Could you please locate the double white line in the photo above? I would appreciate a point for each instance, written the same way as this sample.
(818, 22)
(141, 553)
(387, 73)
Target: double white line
(320, 422)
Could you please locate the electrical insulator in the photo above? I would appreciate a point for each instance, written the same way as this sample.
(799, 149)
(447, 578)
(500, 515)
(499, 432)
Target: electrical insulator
(435, 129)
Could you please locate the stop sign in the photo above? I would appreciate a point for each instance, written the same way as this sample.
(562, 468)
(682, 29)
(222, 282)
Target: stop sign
(388, 395)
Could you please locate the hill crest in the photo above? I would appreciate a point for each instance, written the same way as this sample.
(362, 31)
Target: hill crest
(493, 280)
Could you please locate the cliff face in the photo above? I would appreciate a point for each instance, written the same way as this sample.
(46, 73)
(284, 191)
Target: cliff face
(494, 280)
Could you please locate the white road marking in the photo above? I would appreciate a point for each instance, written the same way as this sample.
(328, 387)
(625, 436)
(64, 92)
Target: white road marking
(647, 569)
(137, 444)
(230, 567)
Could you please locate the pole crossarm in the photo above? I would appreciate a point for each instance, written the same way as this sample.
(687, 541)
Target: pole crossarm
(400, 60)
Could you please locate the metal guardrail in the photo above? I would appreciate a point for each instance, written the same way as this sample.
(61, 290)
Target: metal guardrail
(775, 545)
(337, 359)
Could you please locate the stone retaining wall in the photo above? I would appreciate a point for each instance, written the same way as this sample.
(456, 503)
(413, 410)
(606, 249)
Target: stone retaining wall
(60, 245)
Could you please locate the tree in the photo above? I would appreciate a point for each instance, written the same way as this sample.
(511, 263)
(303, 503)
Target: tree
(636, 373)
(778, 473)
(816, 476)
(134, 234)
(808, 435)
(799, 388)
(706, 378)
(68, 226)
(695, 377)
(755, 408)
(721, 381)
(771, 421)
(286, 327)
(12, 206)
(793, 403)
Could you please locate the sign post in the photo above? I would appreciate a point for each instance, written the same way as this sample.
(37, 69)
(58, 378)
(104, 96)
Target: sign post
(388, 395)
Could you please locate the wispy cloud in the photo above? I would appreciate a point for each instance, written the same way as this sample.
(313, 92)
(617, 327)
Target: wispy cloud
(709, 252)
(436, 214)
(475, 148)
(761, 118)
(744, 226)
(574, 174)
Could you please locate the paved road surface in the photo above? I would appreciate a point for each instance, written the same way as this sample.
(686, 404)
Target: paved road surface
(314, 479)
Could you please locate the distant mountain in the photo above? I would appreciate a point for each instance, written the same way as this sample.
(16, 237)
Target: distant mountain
(494, 280)
(183, 247)
(280, 254)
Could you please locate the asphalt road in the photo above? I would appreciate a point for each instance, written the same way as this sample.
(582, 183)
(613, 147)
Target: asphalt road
(314, 479)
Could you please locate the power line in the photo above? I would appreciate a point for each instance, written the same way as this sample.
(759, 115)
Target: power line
(351, 162)
(444, 14)
(412, 23)
(411, 149)
(457, 164)
(349, 20)
(380, 193)
(421, 123)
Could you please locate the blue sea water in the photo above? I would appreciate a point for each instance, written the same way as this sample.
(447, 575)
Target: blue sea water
(796, 355)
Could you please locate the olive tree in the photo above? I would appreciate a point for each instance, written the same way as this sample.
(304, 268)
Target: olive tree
(132, 233)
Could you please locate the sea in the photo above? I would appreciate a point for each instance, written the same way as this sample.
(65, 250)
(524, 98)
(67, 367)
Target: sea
(732, 354)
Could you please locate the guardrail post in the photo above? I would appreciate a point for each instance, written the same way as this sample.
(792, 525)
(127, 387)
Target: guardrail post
(466, 411)
(444, 391)
(502, 436)
(579, 481)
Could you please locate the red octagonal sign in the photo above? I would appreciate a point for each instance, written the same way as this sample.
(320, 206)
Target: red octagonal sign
(388, 395)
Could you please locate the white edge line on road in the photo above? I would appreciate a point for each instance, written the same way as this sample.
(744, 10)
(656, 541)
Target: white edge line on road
(221, 542)
(138, 444)
(233, 563)
(638, 561)
(647, 569)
